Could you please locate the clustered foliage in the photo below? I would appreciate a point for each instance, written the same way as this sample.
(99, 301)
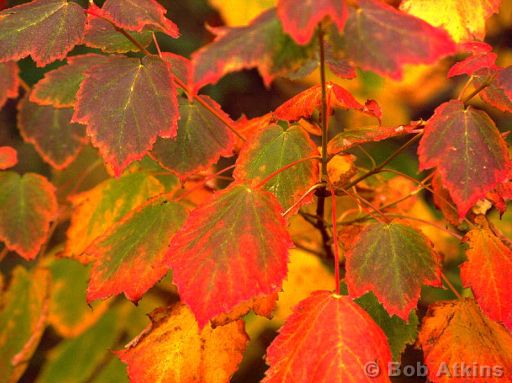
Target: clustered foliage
(155, 202)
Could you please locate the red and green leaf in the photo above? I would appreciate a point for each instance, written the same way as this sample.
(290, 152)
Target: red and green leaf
(44, 29)
(393, 260)
(27, 206)
(8, 157)
(202, 139)
(212, 354)
(481, 57)
(301, 17)
(60, 86)
(23, 315)
(271, 149)
(230, 250)
(468, 151)
(118, 94)
(328, 338)
(55, 138)
(381, 39)
(122, 254)
(495, 93)
(9, 82)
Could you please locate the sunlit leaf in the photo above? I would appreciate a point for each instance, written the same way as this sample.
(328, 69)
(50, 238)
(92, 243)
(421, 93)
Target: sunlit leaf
(468, 151)
(230, 250)
(44, 29)
(9, 83)
(381, 39)
(328, 338)
(176, 349)
(27, 206)
(8, 157)
(119, 94)
(236, 13)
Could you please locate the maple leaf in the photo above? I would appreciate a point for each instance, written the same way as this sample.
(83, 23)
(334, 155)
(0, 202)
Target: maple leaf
(328, 338)
(393, 261)
(139, 15)
(200, 142)
(60, 86)
(8, 157)
(443, 200)
(463, 19)
(22, 28)
(481, 57)
(230, 250)
(381, 39)
(455, 333)
(27, 206)
(96, 210)
(496, 93)
(118, 93)
(9, 82)
(101, 34)
(140, 238)
(488, 273)
(468, 151)
(49, 129)
(271, 149)
(261, 44)
(181, 66)
(192, 353)
(22, 320)
(300, 18)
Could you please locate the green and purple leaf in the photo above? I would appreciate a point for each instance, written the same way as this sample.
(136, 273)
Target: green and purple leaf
(382, 39)
(230, 251)
(393, 260)
(9, 82)
(114, 100)
(44, 29)
(468, 151)
(27, 206)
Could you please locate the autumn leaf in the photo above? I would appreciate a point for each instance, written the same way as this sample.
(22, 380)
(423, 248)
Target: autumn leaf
(381, 39)
(118, 93)
(8, 157)
(232, 249)
(300, 18)
(60, 86)
(327, 338)
(96, 210)
(139, 15)
(27, 206)
(463, 19)
(192, 353)
(56, 139)
(488, 273)
(273, 148)
(235, 13)
(455, 333)
(23, 315)
(22, 28)
(9, 82)
(393, 260)
(121, 254)
(498, 92)
(481, 57)
(468, 151)
(443, 201)
(201, 140)
(261, 44)
(181, 67)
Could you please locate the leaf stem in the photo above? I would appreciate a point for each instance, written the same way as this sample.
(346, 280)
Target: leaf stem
(450, 286)
(302, 198)
(335, 238)
(433, 224)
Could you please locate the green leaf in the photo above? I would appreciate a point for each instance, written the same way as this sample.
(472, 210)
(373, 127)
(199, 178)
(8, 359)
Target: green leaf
(120, 93)
(271, 149)
(115, 371)
(202, 138)
(393, 261)
(27, 206)
(45, 29)
(22, 320)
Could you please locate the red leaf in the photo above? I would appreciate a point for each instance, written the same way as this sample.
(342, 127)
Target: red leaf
(481, 57)
(24, 30)
(495, 93)
(443, 201)
(9, 83)
(181, 66)
(56, 139)
(229, 251)
(328, 338)
(8, 157)
(468, 151)
(341, 68)
(119, 94)
(301, 17)
(382, 39)
(139, 15)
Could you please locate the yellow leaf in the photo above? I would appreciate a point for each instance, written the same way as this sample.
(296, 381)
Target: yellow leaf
(237, 13)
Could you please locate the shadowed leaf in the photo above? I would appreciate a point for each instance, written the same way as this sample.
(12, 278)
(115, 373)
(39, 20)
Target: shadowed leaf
(499, 91)
(9, 82)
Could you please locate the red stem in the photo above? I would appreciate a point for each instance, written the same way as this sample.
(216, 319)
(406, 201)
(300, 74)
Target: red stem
(335, 238)
(286, 167)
